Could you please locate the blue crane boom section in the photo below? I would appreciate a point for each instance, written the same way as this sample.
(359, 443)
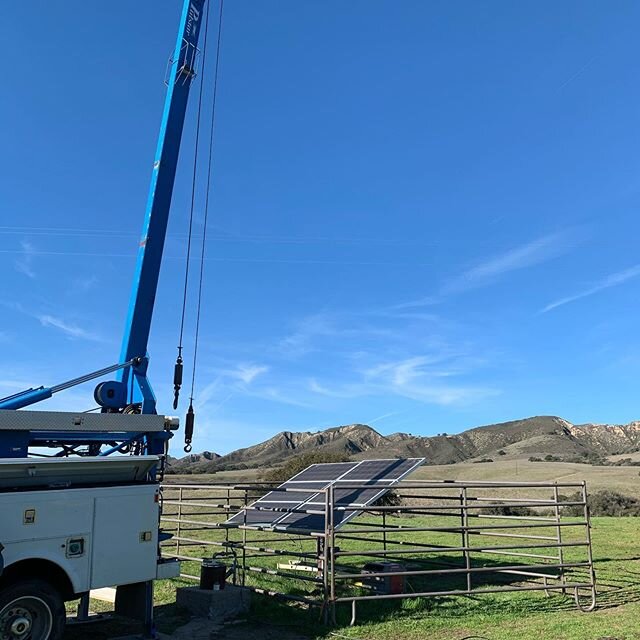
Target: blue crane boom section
(145, 283)
(132, 385)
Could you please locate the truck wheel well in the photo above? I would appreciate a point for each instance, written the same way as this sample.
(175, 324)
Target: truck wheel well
(41, 569)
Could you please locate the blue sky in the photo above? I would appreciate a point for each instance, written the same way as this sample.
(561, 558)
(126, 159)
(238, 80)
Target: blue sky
(424, 214)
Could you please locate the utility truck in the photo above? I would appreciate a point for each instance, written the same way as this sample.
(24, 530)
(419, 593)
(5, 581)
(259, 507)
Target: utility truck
(69, 526)
(79, 492)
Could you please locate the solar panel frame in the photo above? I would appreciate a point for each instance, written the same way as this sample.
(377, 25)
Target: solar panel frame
(294, 515)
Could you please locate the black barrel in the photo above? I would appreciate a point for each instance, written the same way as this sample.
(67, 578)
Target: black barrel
(212, 572)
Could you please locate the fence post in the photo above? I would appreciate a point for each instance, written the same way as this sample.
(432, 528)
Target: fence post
(462, 527)
(332, 550)
(244, 538)
(384, 530)
(587, 518)
(556, 508)
(228, 515)
(179, 528)
(465, 528)
(326, 589)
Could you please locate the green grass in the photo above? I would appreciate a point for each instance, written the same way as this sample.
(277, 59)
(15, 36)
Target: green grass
(508, 616)
(505, 616)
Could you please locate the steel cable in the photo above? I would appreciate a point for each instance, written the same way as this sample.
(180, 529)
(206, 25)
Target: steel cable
(177, 374)
(206, 206)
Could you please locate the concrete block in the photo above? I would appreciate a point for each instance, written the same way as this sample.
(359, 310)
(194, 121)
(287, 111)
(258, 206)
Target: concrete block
(217, 606)
(106, 594)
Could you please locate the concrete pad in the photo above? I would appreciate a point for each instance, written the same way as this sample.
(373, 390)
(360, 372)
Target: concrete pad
(217, 606)
(107, 594)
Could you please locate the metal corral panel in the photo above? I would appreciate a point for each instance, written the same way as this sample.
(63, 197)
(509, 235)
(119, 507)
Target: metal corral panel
(63, 472)
(84, 422)
(272, 509)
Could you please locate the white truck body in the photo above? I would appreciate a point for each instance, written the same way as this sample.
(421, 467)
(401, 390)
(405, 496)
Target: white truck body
(99, 535)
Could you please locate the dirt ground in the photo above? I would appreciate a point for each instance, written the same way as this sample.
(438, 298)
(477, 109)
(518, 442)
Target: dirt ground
(194, 630)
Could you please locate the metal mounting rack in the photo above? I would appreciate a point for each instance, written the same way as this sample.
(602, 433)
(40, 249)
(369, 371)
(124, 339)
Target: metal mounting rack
(67, 432)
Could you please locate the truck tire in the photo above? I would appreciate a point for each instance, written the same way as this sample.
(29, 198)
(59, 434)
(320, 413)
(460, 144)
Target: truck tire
(31, 610)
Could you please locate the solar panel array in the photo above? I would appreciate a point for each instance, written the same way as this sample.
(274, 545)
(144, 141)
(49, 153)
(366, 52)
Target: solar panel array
(304, 509)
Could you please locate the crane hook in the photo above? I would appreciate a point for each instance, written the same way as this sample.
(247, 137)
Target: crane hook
(188, 429)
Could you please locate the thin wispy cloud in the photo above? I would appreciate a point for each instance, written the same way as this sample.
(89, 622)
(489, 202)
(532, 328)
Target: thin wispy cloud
(578, 72)
(69, 329)
(301, 341)
(237, 373)
(384, 416)
(418, 378)
(521, 257)
(427, 301)
(613, 280)
(282, 395)
(404, 371)
(84, 284)
(24, 264)
(313, 331)
(343, 391)
(247, 373)
(230, 382)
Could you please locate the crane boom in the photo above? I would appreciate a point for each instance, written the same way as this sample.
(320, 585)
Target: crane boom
(132, 385)
(145, 283)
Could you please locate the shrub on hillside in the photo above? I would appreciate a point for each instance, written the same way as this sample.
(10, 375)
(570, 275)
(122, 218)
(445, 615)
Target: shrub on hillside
(625, 462)
(507, 510)
(300, 463)
(603, 503)
(588, 458)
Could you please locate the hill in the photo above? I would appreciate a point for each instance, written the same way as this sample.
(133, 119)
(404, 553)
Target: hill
(185, 464)
(538, 436)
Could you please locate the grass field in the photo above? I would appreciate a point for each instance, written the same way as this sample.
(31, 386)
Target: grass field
(494, 617)
(514, 616)
(625, 480)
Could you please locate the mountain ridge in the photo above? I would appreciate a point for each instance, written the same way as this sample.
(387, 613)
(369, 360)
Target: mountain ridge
(528, 437)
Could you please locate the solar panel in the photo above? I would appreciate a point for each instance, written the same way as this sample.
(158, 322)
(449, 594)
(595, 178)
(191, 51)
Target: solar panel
(304, 509)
